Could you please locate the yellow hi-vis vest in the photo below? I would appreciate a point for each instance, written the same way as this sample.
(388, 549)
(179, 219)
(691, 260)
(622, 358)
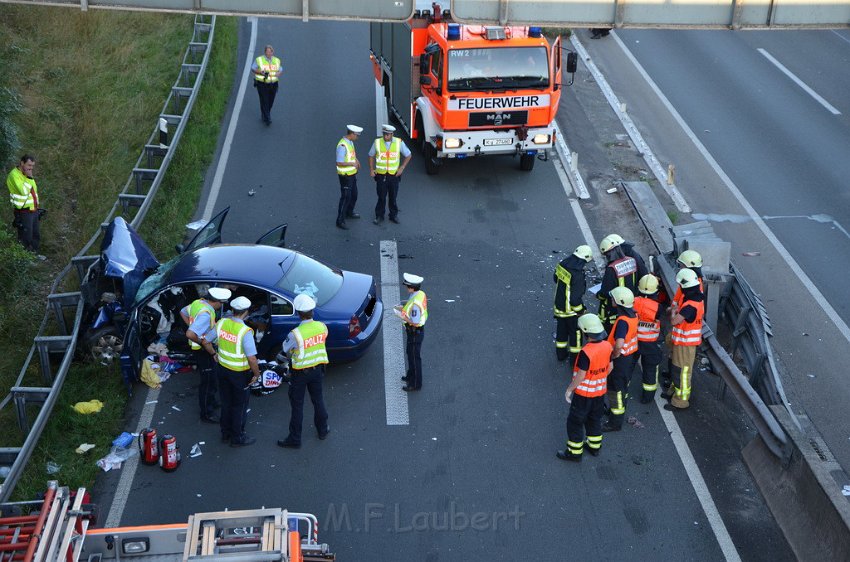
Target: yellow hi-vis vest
(23, 192)
(195, 310)
(230, 352)
(387, 158)
(270, 66)
(311, 337)
(350, 156)
(417, 298)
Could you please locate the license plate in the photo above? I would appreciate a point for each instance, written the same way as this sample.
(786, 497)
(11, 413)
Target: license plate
(498, 142)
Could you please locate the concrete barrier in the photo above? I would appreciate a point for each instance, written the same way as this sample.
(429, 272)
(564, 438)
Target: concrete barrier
(805, 497)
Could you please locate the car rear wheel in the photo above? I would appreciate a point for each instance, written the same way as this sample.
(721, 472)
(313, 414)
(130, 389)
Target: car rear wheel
(105, 344)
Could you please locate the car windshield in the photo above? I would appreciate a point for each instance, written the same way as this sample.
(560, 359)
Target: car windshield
(496, 69)
(312, 278)
(155, 281)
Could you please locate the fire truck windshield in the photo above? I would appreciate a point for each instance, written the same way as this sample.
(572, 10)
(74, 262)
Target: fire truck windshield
(498, 68)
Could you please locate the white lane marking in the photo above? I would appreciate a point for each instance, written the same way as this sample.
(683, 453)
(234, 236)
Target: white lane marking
(792, 263)
(397, 412)
(128, 471)
(231, 126)
(799, 82)
(840, 36)
(727, 546)
(566, 156)
(658, 171)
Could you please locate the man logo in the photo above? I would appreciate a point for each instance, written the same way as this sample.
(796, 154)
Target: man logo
(498, 120)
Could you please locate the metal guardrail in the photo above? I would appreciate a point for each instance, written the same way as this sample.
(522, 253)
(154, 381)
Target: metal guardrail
(60, 328)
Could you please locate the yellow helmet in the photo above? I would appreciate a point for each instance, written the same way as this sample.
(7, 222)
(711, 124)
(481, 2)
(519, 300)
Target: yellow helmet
(687, 278)
(648, 284)
(610, 242)
(623, 296)
(584, 252)
(690, 258)
(590, 324)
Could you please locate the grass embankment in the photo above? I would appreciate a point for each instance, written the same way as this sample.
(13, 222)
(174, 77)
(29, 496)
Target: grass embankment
(90, 87)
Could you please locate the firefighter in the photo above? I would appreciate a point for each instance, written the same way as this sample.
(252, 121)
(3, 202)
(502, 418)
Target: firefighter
(689, 259)
(386, 167)
(587, 405)
(237, 371)
(623, 338)
(686, 335)
(414, 314)
(266, 70)
(649, 311)
(347, 166)
(200, 319)
(570, 286)
(625, 267)
(305, 346)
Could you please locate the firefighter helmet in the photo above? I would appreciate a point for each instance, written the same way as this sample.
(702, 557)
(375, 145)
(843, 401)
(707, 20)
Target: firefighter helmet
(590, 324)
(648, 284)
(623, 296)
(610, 242)
(687, 278)
(584, 252)
(690, 258)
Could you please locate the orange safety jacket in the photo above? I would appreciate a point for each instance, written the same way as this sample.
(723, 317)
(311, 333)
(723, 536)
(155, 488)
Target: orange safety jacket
(631, 340)
(649, 328)
(595, 381)
(689, 333)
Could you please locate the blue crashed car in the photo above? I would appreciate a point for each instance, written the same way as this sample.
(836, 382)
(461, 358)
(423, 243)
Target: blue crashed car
(270, 276)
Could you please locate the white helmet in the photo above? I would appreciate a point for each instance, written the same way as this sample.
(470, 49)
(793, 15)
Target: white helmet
(623, 296)
(690, 258)
(687, 278)
(648, 284)
(610, 242)
(304, 303)
(584, 252)
(590, 324)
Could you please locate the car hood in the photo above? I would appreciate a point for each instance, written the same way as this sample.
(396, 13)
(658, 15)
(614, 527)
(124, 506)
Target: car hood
(125, 256)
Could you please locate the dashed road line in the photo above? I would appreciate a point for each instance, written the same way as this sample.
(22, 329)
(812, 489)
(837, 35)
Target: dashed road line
(829, 107)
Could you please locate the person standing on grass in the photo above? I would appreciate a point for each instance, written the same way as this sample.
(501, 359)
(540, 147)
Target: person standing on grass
(23, 194)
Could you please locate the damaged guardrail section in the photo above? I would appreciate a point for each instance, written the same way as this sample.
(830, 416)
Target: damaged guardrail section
(52, 350)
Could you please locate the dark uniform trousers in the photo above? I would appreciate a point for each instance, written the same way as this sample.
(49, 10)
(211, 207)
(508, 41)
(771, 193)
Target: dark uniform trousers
(347, 196)
(301, 381)
(267, 93)
(585, 420)
(414, 337)
(387, 186)
(650, 359)
(209, 382)
(567, 337)
(29, 234)
(618, 388)
(233, 389)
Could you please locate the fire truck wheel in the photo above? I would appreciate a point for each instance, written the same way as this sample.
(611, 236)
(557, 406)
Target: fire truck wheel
(432, 166)
(526, 162)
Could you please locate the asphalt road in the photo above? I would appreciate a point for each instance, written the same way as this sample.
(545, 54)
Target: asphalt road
(473, 476)
(785, 152)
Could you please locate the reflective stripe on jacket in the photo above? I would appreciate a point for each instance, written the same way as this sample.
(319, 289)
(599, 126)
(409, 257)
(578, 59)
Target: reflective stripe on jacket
(350, 156)
(230, 352)
(271, 66)
(195, 310)
(649, 328)
(387, 158)
(595, 381)
(689, 333)
(631, 341)
(417, 298)
(310, 352)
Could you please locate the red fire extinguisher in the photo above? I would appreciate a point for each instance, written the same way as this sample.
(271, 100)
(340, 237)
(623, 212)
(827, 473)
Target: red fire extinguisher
(148, 446)
(169, 458)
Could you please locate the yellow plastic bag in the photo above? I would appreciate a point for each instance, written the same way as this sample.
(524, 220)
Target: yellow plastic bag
(149, 374)
(90, 407)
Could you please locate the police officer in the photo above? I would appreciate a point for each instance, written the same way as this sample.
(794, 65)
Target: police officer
(347, 166)
(686, 335)
(587, 405)
(266, 69)
(305, 346)
(623, 338)
(649, 312)
(386, 167)
(625, 267)
(237, 370)
(23, 194)
(414, 314)
(570, 286)
(200, 318)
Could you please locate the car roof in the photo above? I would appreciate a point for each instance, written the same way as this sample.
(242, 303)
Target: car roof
(253, 264)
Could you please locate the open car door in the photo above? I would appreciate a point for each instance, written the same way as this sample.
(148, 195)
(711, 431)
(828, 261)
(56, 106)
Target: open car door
(209, 234)
(274, 237)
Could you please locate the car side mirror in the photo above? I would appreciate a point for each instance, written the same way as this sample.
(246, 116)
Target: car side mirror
(425, 80)
(180, 248)
(572, 62)
(424, 64)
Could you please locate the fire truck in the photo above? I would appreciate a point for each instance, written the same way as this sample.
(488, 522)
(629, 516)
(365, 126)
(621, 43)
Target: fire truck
(470, 90)
(59, 531)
